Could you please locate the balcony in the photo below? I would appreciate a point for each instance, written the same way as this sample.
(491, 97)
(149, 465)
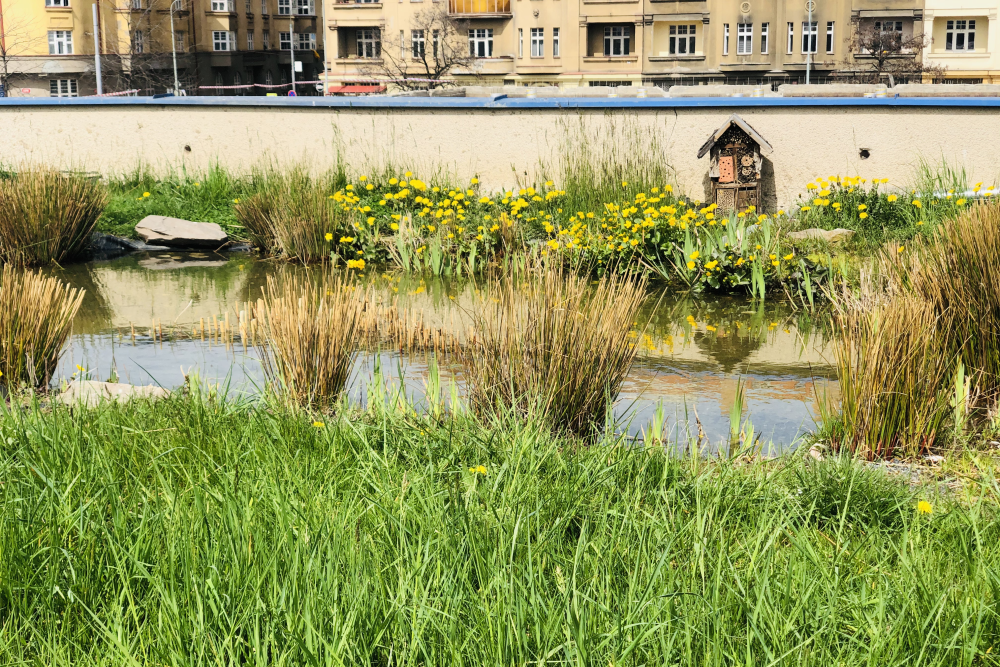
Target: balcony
(480, 9)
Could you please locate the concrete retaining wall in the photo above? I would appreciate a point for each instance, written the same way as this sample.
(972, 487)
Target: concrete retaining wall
(501, 140)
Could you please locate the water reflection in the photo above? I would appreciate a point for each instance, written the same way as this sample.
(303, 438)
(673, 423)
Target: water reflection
(695, 349)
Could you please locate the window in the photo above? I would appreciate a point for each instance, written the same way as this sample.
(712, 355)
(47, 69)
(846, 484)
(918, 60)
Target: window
(265, 39)
(263, 7)
(418, 43)
(538, 42)
(284, 41)
(791, 37)
(744, 39)
(179, 43)
(682, 39)
(520, 42)
(57, 3)
(481, 43)
(250, 81)
(616, 40)
(219, 81)
(889, 26)
(268, 78)
(764, 46)
(222, 40)
(136, 4)
(725, 39)
(305, 7)
(62, 87)
(60, 43)
(959, 36)
(249, 6)
(237, 81)
(436, 39)
(249, 40)
(284, 77)
(284, 7)
(138, 42)
(369, 43)
(220, 5)
(809, 34)
(306, 41)
(829, 36)
(555, 42)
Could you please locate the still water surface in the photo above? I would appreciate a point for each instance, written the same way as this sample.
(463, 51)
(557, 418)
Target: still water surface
(695, 350)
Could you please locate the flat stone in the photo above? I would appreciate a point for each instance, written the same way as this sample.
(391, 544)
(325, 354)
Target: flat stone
(828, 235)
(177, 233)
(91, 392)
(946, 90)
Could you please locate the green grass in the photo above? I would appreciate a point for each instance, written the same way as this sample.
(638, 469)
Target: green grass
(200, 532)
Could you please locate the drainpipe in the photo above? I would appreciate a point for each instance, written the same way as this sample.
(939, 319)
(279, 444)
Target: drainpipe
(97, 50)
(291, 46)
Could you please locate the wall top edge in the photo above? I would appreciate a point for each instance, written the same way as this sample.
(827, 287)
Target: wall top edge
(501, 103)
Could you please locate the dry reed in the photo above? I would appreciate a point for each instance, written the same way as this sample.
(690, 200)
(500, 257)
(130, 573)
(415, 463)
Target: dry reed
(550, 345)
(310, 332)
(46, 216)
(36, 315)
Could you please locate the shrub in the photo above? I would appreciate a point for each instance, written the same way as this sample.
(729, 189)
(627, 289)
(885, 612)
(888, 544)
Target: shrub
(36, 315)
(550, 345)
(46, 216)
(310, 332)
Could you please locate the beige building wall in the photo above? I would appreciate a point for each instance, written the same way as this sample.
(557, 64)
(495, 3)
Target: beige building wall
(948, 21)
(500, 145)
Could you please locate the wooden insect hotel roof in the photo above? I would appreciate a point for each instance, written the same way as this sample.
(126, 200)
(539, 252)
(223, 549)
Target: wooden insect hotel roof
(765, 147)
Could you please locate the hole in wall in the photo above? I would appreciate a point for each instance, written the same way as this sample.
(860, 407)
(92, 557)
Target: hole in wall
(864, 153)
(187, 148)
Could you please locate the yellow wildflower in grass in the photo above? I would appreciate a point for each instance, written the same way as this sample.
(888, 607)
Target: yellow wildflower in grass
(329, 236)
(369, 187)
(695, 255)
(924, 507)
(810, 186)
(789, 256)
(394, 227)
(916, 202)
(318, 424)
(899, 249)
(356, 264)
(393, 181)
(709, 327)
(806, 208)
(862, 215)
(347, 239)
(690, 266)
(474, 181)
(711, 265)
(862, 207)
(146, 194)
(408, 174)
(371, 221)
(362, 178)
(478, 470)
(891, 198)
(775, 263)
(961, 202)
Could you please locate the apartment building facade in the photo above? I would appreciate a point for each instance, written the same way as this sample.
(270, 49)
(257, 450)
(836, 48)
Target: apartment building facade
(663, 42)
(221, 46)
(965, 34)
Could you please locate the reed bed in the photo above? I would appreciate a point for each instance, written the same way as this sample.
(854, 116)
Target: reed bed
(36, 317)
(549, 345)
(47, 216)
(310, 333)
(919, 353)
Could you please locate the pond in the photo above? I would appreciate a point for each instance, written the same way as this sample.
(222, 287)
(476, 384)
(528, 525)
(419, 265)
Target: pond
(154, 318)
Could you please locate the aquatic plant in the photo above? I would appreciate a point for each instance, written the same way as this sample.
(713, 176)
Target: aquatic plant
(47, 216)
(309, 333)
(548, 344)
(36, 316)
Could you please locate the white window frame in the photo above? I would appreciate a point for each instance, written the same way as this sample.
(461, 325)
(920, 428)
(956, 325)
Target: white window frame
(284, 41)
(435, 41)
(263, 8)
(268, 78)
(237, 81)
(58, 3)
(220, 6)
(744, 39)
(616, 38)
(368, 42)
(481, 42)
(265, 39)
(248, 6)
(520, 42)
(765, 44)
(63, 88)
(305, 7)
(830, 43)
(555, 42)
(791, 39)
(725, 39)
(222, 40)
(60, 42)
(957, 30)
(810, 36)
(138, 42)
(250, 40)
(284, 7)
(137, 4)
(537, 36)
(179, 42)
(682, 40)
(418, 44)
(305, 41)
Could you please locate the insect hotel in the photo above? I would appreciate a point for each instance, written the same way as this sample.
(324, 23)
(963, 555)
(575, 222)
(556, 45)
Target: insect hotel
(736, 151)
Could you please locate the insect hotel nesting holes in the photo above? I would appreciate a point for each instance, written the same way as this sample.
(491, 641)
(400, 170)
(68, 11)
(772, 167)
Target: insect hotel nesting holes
(736, 152)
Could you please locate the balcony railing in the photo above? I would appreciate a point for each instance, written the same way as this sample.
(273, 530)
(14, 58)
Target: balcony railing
(479, 7)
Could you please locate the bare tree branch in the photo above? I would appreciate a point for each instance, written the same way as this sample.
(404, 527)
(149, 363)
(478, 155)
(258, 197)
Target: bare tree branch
(878, 55)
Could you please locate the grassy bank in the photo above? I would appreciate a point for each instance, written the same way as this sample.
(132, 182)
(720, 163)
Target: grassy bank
(196, 531)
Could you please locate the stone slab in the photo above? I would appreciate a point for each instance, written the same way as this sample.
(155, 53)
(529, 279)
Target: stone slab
(178, 233)
(91, 393)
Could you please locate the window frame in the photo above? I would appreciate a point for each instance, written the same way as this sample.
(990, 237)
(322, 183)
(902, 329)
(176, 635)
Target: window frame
(555, 42)
(309, 41)
(219, 6)
(682, 39)
(418, 44)
(966, 32)
(72, 88)
(250, 40)
(725, 39)
(368, 42)
(790, 48)
(284, 7)
(810, 32)
(59, 4)
(830, 43)
(622, 41)
(284, 41)
(765, 43)
(265, 39)
(536, 38)
(744, 39)
(476, 40)
(227, 41)
(60, 42)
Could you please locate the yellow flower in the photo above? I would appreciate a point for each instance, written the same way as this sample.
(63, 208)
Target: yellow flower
(197, 185)
(356, 264)
(624, 184)
(899, 249)
(775, 263)
(862, 215)
(408, 174)
(960, 202)
(695, 255)
(474, 181)
(862, 207)
(146, 194)
(362, 178)
(329, 236)
(924, 507)
(394, 226)
(891, 198)
(418, 185)
(916, 202)
(789, 256)
(805, 208)
(369, 187)
(478, 470)
(690, 266)
(319, 424)
(711, 265)
(709, 327)
(393, 181)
